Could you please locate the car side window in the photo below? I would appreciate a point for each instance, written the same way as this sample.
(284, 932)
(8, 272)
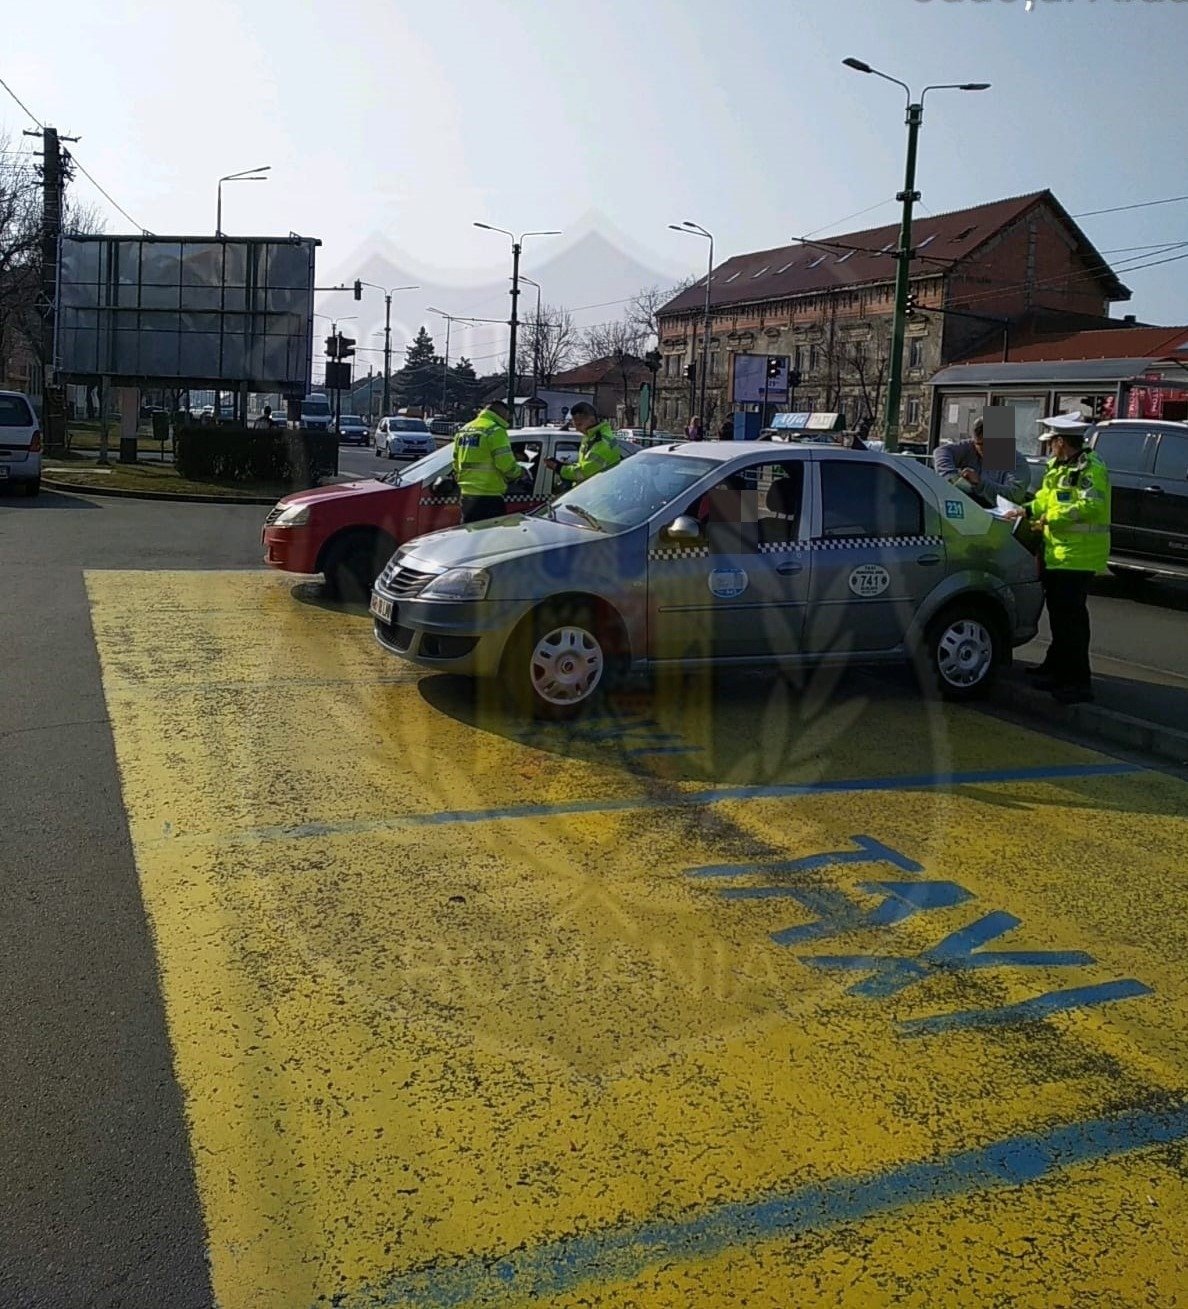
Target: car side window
(566, 451)
(1123, 449)
(528, 454)
(1171, 458)
(751, 511)
(861, 499)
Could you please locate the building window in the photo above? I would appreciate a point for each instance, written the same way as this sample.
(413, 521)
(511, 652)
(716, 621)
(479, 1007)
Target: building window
(813, 360)
(916, 352)
(912, 417)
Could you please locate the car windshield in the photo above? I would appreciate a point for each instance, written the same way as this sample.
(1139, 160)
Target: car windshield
(315, 407)
(421, 470)
(352, 420)
(408, 425)
(632, 491)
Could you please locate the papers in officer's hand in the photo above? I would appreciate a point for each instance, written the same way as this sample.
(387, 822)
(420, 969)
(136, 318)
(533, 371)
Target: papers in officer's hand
(1002, 507)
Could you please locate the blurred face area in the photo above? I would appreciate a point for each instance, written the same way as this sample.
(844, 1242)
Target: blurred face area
(977, 437)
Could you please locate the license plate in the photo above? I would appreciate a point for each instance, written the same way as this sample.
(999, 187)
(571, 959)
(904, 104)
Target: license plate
(3, 472)
(381, 608)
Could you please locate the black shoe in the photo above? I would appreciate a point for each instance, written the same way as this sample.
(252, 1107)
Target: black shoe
(1045, 682)
(1070, 695)
(1039, 672)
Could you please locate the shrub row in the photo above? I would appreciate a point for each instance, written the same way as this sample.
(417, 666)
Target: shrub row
(241, 454)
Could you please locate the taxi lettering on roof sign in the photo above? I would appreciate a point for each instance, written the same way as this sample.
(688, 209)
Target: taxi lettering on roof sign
(726, 583)
(869, 580)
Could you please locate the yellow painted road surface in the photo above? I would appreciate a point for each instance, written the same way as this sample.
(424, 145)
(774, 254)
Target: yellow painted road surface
(732, 995)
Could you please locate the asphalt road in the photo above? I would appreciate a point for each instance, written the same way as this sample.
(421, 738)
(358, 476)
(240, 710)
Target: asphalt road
(102, 1203)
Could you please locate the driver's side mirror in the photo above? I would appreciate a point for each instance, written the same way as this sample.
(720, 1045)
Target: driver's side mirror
(683, 528)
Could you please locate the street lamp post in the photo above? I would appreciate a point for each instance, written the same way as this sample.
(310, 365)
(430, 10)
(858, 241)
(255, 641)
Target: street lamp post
(517, 246)
(388, 293)
(908, 196)
(694, 229)
(248, 175)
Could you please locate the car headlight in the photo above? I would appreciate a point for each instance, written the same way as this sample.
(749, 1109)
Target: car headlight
(294, 516)
(458, 584)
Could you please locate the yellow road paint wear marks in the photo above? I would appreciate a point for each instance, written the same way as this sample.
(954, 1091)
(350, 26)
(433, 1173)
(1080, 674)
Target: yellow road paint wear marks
(539, 1057)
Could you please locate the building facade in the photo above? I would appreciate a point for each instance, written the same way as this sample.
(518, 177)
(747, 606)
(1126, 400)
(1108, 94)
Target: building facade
(827, 308)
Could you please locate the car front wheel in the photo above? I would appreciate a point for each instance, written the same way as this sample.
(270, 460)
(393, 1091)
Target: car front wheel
(559, 661)
(965, 649)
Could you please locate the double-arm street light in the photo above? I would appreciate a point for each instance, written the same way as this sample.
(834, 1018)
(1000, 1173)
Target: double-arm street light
(388, 293)
(450, 320)
(908, 196)
(695, 229)
(517, 245)
(248, 175)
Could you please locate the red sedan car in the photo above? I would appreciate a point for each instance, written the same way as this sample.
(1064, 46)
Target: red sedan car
(349, 531)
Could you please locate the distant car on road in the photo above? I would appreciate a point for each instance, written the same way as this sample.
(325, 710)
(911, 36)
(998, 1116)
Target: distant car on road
(442, 426)
(1148, 463)
(706, 552)
(352, 430)
(20, 443)
(348, 531)
(403, 438)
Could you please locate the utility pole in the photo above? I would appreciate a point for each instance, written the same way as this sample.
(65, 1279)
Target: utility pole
(387, 353)
(51, 238)
(445, 368)
(909, 195)
(511, 349)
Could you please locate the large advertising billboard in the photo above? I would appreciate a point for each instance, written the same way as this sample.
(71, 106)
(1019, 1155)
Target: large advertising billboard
(751, 379)
(222, 313)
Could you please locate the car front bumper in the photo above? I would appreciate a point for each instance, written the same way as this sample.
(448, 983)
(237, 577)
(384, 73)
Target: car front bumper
(467, 638)
(291, 549)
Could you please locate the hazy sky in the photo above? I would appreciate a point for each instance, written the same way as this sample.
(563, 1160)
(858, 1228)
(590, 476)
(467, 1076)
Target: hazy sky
(409, 121)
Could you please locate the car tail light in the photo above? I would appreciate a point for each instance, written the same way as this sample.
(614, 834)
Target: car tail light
(35, 444)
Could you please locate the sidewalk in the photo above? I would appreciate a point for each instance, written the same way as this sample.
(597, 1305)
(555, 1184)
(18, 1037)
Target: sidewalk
(1137, 707)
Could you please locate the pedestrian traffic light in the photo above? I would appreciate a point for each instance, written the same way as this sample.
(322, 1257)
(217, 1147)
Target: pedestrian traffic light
(358, 289)
(691, 371)
(774, 364)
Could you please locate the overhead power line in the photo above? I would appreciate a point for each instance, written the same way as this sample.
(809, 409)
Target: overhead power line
(1144, 204)
(22, 104)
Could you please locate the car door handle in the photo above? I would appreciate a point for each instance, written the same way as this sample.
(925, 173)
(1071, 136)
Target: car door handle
(789, 568)
(1153, 490)
(928, 560)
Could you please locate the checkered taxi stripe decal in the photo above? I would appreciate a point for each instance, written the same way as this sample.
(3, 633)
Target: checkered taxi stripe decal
(453, 499)
(783, 547)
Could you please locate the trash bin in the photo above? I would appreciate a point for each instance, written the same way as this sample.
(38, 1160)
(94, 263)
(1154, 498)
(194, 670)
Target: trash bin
(127, 449)
(161, 427)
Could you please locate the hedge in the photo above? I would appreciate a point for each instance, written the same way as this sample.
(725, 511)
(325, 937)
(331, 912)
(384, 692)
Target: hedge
(242, 454)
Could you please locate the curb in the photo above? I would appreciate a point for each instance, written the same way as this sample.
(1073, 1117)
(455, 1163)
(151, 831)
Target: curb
(76, 488)
(1090, 720)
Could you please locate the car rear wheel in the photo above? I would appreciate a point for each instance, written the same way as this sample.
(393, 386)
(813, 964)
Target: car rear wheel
(965, 648)
(560, 661)
(352, 563)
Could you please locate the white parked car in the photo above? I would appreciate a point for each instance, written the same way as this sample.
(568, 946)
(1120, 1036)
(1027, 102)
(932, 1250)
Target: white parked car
(20, 443)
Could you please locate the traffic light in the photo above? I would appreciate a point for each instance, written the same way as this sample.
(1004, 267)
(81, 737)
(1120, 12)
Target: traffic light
(332, 347)
(691, 372)
(358, 289)
(774, 364)
(346, 347)
(653, 359)
(910, 308)
(794, 378)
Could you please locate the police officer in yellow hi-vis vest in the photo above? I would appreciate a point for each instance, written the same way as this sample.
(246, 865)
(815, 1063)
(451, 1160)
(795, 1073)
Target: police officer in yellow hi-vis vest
(1072, 510)
(484, 464)
(598, 451)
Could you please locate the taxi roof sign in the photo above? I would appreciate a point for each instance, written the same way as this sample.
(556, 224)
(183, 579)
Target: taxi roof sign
(809, 422)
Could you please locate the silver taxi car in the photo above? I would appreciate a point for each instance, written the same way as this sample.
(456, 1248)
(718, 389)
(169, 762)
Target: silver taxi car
(717, 553)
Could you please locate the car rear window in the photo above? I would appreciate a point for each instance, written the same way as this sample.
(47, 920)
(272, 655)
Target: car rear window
(15, 411)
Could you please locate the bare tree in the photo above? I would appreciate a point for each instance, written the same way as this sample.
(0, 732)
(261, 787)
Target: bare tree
(20, 236)
(644, 308)
(548, 343)
(604, 340)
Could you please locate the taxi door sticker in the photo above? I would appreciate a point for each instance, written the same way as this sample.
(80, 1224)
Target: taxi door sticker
(728, 583)
(869, 580)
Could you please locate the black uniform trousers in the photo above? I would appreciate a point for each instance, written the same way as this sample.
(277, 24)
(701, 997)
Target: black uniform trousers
(1066, 591)
(478, 508)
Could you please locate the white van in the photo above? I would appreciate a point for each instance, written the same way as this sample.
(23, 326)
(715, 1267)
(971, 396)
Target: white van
(316, 414)
(20, 443)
